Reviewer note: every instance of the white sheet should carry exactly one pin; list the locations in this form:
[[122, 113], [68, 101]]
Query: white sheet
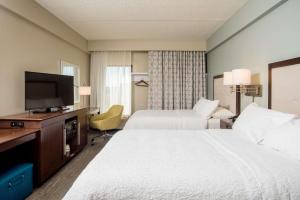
[[166, 119], [186, 165]]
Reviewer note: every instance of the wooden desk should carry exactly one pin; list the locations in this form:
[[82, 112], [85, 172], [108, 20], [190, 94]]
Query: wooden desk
[[49, 129], [10, 138], [18, 145]]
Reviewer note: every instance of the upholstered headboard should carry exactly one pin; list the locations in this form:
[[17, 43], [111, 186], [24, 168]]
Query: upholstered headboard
[[284, 83], [228, 99]]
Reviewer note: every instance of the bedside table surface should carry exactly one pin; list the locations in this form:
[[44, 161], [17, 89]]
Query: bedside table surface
[[226, 124]]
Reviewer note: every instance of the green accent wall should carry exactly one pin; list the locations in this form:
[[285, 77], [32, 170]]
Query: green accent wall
[[273, 36]]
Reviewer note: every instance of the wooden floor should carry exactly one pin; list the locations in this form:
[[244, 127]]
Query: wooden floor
[[57, 186]]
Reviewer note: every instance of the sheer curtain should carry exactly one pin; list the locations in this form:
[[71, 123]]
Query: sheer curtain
[[118, 87], [111, 80]]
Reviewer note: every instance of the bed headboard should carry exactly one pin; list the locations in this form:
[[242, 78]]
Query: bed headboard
[[228, 99], [284, 82]]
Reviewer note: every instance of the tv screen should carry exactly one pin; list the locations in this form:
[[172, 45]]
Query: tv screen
[[48, 90]]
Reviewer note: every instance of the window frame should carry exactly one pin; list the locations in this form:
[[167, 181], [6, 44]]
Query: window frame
[[77, 69]]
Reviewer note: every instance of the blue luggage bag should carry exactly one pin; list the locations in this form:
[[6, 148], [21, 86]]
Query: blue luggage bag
[[16, 183]]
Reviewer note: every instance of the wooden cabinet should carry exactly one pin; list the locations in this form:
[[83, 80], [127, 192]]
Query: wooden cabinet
[[226, 124], [83, 130], [50, 137], [51, 150]]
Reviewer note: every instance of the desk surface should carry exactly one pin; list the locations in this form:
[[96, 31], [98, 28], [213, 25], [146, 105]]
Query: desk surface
[[10, 138], [39, 116]]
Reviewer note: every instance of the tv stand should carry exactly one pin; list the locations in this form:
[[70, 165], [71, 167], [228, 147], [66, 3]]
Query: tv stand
[[51, 137], [49, 110], [64, 108]]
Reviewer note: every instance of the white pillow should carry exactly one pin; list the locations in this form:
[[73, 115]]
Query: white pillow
[[205, 107], [286, 139], [255, 121], [222, 113]]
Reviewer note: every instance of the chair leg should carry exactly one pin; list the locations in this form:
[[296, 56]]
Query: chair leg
[[93, 139], [106, 136]]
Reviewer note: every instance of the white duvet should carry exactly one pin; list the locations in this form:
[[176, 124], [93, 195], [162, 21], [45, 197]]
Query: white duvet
[[166, 119], [186, 165]]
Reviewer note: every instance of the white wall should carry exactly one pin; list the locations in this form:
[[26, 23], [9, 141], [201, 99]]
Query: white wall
[[272, 38], [146, 45], [25, 46], [139, 94], [33, 12]]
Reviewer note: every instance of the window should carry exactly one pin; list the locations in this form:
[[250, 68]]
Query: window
[[72, 70], [118, 87]]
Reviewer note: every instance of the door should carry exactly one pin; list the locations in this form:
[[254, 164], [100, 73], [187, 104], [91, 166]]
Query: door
[[83, 129], [51, 149]]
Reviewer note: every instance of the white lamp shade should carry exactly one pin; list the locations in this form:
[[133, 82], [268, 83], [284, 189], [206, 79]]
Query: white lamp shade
[[241, 77], [84, 90], [227, 78]]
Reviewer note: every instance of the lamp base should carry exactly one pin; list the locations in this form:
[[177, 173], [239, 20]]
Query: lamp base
[[248, 90], [254, 90]]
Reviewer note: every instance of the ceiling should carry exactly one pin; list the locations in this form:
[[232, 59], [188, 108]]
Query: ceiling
[[143, 19]]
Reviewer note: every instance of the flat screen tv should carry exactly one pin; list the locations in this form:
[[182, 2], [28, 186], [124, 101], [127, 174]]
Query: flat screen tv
[[45, 91]]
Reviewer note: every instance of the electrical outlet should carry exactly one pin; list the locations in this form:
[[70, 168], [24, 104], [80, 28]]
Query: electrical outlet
[[16, 124]]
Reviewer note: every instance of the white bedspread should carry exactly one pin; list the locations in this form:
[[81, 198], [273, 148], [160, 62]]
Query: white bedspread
[[210, 164], [166, 119]]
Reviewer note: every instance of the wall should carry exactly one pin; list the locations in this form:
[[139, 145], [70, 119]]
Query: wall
[[26, 46], [252, 11], [273, 37], [33, 12], [139, 94], [146, 45]]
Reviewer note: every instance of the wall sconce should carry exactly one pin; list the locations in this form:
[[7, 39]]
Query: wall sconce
[[239, 81]]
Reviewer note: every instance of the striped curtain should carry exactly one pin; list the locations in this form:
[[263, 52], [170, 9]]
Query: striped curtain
[[177, 79]]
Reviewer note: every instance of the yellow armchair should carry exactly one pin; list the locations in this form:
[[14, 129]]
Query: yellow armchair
[[109, 120]]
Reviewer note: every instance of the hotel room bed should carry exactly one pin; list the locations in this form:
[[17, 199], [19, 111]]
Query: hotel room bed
[[258, 159], [186, 119], [166, 119], [177, 165]]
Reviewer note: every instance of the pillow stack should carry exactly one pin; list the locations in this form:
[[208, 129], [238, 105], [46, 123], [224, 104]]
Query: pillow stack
[[205, 107], [223, 113], [255, 121]]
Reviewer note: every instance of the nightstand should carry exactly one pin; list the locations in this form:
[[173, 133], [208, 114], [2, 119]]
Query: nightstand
[[226, 123]]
